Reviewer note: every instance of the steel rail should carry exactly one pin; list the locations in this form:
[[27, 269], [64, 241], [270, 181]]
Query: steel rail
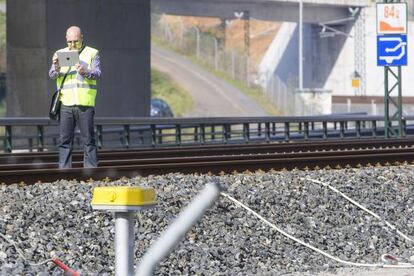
[[209, 158], [215, 165], [210, 150]]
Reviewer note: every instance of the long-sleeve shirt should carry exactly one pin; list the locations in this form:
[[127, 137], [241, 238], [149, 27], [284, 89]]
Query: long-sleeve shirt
[[93, 74]]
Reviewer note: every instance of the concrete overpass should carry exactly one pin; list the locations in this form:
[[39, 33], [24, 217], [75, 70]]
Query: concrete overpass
[[314, 11]]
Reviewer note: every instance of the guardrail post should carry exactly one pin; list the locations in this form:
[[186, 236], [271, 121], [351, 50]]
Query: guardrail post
[[127, 136], [99, 136], [202, 134], [246, 132], [267, 132], [178, 134], [40, 143], [227, 134], [196, 134], [160, 136], [287, 132], [306, 124], [341, 129], [404, 127], [358, 128], [259, 129], [30, 140], [8, 139], [325, 130], [153, 135]]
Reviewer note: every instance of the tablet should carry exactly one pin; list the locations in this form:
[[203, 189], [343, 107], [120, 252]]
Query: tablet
[[68, 58]]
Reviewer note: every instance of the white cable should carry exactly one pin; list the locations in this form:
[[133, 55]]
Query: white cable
[[403, 265], [21, 252], [360, 206]]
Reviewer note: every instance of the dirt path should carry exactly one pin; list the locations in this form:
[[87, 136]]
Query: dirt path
[[212, 96]]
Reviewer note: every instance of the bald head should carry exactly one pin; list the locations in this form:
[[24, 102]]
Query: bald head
[[74, 38]]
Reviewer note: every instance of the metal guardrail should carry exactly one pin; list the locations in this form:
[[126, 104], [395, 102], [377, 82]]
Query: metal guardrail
[[39, 134]]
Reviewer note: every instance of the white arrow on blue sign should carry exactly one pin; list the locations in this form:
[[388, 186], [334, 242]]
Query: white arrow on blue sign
[[392, 50]]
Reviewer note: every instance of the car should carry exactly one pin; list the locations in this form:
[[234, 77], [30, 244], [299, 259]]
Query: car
[[160, 108]]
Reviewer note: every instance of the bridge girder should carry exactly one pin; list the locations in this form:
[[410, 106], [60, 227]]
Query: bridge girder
[[314, 11]]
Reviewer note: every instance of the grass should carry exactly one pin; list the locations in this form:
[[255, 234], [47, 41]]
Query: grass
[[163, 87], [3, 108], [253, 93]]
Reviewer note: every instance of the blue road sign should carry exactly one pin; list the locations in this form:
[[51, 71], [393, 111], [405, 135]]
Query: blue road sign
[[392, 50]]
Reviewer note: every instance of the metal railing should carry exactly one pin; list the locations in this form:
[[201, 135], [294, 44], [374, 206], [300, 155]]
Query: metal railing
[[41, 134]]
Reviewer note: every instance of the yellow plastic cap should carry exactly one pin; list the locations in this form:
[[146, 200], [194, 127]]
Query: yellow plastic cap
[[124, 196]]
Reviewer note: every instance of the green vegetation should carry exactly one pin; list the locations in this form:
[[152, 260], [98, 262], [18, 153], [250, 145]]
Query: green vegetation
[[3, 108], [254, 93], [163, 87]]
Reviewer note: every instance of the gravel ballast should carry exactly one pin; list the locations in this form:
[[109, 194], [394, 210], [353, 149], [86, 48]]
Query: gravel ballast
[[56, 219]]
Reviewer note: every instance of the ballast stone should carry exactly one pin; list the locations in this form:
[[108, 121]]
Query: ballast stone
[[226, 240]]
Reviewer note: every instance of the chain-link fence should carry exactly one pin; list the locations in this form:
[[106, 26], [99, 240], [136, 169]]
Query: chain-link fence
[[205, 48], [294, 102], [209, 50]]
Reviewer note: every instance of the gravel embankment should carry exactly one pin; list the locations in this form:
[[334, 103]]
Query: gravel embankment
[[57, 218]]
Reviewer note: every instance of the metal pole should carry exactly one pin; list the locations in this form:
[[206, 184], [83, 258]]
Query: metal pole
[[215, 54], [386, 105], [400, 106], [177, 230], [198, 42], [300, 45], [124, 244], [233, 64]]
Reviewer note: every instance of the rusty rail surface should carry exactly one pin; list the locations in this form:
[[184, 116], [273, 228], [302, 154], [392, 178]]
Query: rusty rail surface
[[207, 150], [210, 159]]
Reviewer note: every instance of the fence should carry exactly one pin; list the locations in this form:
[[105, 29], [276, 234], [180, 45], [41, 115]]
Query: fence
[[41, 134], [209, 50], [204, 47]]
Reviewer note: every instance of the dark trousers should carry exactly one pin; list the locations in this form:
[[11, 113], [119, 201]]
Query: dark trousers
[[70, 117]]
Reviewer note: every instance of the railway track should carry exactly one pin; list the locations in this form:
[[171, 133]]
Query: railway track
[[30, 168]]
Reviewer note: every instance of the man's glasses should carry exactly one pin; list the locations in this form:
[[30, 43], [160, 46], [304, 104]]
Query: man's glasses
[[72, 42]]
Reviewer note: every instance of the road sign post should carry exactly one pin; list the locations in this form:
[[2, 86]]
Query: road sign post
[[392, 52]]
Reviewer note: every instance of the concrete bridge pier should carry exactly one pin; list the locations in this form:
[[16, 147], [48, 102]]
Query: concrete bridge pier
[[119, 29]]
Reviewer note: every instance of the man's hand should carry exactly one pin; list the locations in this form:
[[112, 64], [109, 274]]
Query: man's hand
[[55, 61], [80, 69]]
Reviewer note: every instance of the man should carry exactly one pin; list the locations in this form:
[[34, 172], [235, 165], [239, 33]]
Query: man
[[78, 99]]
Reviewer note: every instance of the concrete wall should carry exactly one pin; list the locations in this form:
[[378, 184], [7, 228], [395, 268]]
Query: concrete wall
[[120, 29], [320, 55]]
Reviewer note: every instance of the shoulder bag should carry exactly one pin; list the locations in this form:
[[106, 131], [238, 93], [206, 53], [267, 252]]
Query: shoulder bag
[[55, 104]]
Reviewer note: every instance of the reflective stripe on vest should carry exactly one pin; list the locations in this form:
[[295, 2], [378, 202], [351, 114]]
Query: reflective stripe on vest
[[79, 85], [78, 90]]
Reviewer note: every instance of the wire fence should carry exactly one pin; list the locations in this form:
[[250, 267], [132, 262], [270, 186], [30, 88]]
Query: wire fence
[[210, 51], [205, 48]]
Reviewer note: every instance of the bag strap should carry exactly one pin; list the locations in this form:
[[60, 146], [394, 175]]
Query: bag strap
[[64, 78], [66, 74]]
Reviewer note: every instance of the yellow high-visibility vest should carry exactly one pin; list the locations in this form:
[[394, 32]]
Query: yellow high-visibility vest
[[78, 90]]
